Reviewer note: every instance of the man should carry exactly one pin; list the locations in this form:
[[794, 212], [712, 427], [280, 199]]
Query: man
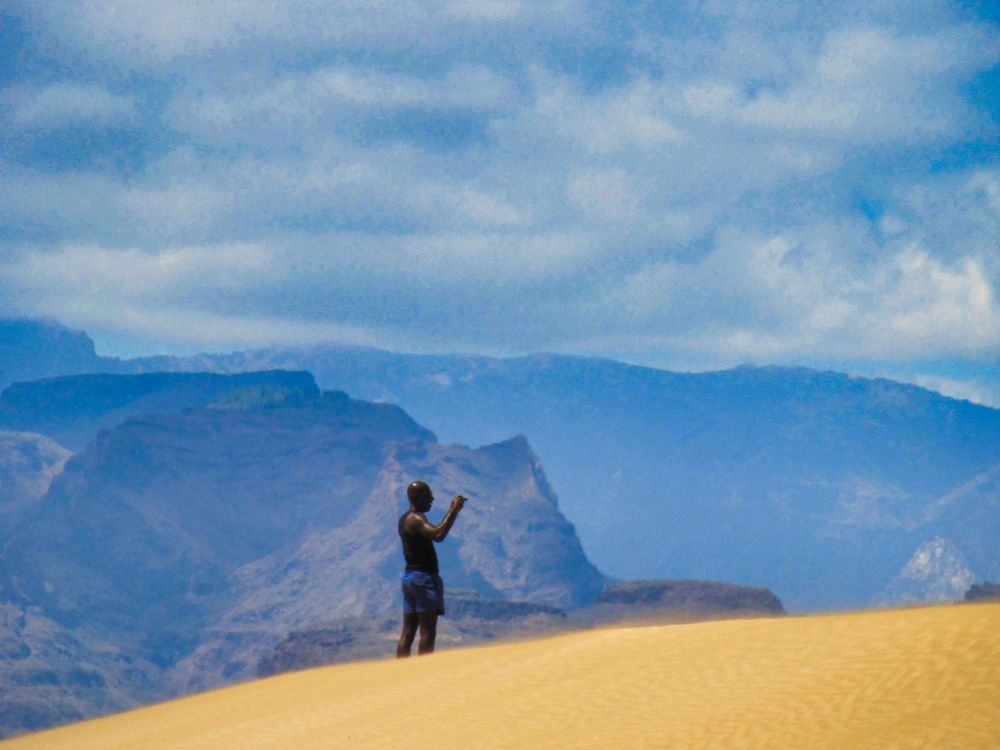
[[423, 590]]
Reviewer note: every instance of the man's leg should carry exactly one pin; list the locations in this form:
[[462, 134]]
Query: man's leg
[[428, 631], [406, 637]]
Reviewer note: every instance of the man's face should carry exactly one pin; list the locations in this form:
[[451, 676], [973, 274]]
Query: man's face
[[424, 502]]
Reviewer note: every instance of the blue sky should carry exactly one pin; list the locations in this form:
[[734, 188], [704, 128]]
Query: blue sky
[[689, 185]]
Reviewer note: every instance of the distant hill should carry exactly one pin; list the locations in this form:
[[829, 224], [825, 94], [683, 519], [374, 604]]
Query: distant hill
[[195, 541], [682, 601], [51, 674], [32, 349], [982, 592], [937, 572], [818, 485], [72, 409]]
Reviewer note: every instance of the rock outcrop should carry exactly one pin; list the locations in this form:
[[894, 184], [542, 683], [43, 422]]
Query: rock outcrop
[[937, 572], [32, 349], [28, 462], [983, 592], [679, 601]]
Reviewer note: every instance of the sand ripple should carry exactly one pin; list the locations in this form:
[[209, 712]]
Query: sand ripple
[[917, 678]]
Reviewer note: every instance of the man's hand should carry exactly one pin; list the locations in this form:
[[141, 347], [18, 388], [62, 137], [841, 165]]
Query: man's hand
[[458, 502]]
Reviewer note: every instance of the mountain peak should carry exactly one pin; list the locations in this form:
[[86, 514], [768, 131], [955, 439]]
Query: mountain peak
[[937, 572]]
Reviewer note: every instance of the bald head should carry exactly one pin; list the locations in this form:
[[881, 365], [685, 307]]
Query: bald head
[[419, 494]]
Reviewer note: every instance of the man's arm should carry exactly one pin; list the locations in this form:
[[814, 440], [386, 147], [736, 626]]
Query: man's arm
[[417, 523]]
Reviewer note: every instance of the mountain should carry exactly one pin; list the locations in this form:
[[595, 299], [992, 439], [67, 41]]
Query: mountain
[[32, 349], [937, 572], [72, 409], [512, 542], [817, 485], [28, 462], [193, 542], [50, 674]]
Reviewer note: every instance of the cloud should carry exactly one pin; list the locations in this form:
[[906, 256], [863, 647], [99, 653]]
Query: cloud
[[65, 104], [164, 296], [144, 34], [103, 273], [790, 296], [864, 83], [976, 391], [686, 182]]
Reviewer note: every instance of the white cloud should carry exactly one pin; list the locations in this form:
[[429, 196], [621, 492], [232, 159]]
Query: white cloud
[[185, 326], [133, 31], [103, 274], [743, 180], [929, 305], [74, 203], [974, 390], [65, 104], [300, 110], [484, 10], [150, 34], [791, 296], [864, 83], [492, 258]]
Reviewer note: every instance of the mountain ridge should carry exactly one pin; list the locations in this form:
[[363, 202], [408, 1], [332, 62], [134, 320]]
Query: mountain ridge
[[754, 474]]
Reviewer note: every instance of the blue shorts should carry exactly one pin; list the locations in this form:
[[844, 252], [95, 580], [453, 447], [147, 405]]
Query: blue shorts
[[422, 592]]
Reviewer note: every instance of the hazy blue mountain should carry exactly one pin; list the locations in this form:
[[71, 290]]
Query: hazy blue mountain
[[818, 485], [512, 543], [28, 462], [32, 349], [195, 541], [937, 572], [50, 674], [72, 409]]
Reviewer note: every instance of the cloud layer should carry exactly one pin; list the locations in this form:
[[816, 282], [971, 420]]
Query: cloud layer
[[696, 184]]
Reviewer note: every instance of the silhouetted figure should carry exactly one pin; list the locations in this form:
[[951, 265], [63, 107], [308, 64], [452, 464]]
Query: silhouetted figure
[[423, 589]]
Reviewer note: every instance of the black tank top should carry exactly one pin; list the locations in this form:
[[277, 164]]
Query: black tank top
[[417, 549]]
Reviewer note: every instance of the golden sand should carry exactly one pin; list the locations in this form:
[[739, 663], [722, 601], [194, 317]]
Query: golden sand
[[926, 677]]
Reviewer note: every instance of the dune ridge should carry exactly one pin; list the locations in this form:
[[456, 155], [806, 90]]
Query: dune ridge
[[923, 677]]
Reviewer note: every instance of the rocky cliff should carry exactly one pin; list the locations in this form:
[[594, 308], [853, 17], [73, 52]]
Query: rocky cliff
[[28, 462], [32, 349]]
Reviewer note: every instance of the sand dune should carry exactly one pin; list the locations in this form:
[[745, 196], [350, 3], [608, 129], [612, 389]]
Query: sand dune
[[926, 677]]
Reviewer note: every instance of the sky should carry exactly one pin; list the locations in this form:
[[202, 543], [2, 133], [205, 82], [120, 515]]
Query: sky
[[688, 185]]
